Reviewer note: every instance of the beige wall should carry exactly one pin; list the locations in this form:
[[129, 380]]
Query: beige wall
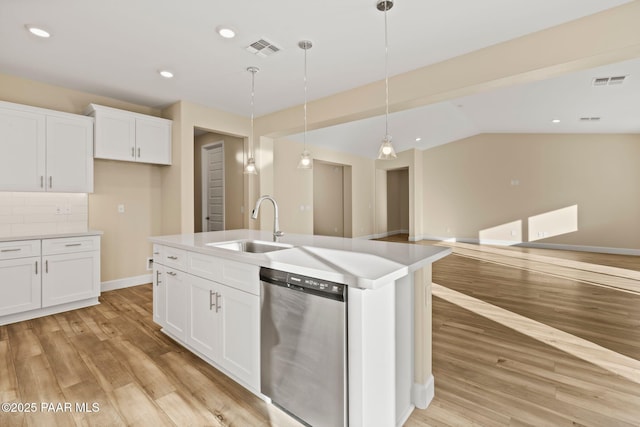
[[137, 186], [233, 179], [501, 186], [398, 200], [294, 188]]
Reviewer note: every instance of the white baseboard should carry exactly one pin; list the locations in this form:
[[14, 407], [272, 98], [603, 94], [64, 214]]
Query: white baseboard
[[405, 416], [540, 245], [46, 311], [127, 282], [423, 394]]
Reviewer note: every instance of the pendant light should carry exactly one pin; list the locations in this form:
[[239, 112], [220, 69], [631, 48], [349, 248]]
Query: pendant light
[[250, 166], [306, 161], [386, 150]]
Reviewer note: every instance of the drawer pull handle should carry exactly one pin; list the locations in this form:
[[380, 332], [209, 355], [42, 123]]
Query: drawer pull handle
[[172, 257], [133, 152], [211, 303], [36, 268], [138, 151], [171, 273], [73, 244], [41, 181], [11, 250], [156, 253], [50, 181], [158, 273], [46, 266], [218, 304]]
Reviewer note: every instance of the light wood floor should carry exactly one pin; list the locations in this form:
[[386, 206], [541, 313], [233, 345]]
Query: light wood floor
[[518, 340]]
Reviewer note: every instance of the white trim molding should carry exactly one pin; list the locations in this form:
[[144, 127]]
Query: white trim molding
[[127, 282], [423, 394]]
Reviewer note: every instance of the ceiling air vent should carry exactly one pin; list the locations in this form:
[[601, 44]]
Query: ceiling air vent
[[263, 48], [608, 81], [589, 119]]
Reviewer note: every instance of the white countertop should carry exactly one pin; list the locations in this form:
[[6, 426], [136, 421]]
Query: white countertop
[[361, 263], [51, 236]]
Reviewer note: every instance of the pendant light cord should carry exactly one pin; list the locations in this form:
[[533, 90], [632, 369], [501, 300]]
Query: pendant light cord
[[253, 78], [305, 99], [386, 74]]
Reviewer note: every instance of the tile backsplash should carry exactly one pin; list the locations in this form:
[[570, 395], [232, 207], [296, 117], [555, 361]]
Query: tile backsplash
[[29, 214]]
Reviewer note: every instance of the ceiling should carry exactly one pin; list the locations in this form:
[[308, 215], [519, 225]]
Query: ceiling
[[116, 48]]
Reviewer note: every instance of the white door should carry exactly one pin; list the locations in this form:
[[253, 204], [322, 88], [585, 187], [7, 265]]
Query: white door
[[70, 277], [19, 285], [22, 150], [240, 334], [204, 322], [215, 188], [69, 154]]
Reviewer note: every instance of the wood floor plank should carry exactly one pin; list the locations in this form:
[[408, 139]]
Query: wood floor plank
[[138, 409], [8, 380], [185, 411]]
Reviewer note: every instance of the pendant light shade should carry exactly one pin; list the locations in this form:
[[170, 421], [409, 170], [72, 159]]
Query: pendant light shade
[[306, 161], [386, 151], [250, 165]]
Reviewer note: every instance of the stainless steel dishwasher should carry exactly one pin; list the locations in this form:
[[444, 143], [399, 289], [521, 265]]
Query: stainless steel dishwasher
[[304, 347]]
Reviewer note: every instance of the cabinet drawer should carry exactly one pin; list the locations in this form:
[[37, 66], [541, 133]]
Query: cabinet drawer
[[172, 257], [19, 249], [245, 277], [68, 245], [205, 266]]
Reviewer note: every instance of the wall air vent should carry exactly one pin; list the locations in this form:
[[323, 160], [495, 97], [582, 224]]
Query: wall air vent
[[263, 48], [608, 81]]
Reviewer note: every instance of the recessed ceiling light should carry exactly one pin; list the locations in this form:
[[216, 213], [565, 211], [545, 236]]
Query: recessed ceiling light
[[166, 74], [555, 121], [36, 31], [418, 139], [226, 32]]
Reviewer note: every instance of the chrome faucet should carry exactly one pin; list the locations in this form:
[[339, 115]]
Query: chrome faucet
[[276, 226]]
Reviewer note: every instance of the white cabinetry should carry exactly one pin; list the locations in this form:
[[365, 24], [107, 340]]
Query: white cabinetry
[[71, 270], [176, 295], [19, 276], [212, 306], [45, 150], [128, 136], [41, 277]]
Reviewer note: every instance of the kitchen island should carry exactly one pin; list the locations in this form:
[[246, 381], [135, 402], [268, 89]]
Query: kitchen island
[[207, 297]]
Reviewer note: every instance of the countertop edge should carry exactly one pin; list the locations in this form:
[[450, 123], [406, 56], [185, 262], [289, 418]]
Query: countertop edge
[[51, 236], [264, 260]]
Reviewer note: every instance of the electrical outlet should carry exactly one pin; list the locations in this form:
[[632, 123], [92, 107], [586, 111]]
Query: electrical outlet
[[120, 208], [149, 264]]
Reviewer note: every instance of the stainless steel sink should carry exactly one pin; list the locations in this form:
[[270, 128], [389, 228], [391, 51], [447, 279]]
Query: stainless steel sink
[[251, 246]]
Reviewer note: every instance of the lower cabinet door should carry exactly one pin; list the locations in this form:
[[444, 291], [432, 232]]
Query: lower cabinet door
[[70, 277], [19, 285], [240, 335], [204, 319], [177, 291], [159, 295]]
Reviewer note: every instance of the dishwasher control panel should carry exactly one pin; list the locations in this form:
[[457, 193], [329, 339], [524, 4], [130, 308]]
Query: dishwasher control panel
[[302, 283]]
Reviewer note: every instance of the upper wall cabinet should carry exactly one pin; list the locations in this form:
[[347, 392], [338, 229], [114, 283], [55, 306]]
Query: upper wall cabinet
[[45, 150], [132, 137]]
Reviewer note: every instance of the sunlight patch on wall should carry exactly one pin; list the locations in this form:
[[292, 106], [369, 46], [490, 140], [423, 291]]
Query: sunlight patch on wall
[[509, 234], [554, 223]]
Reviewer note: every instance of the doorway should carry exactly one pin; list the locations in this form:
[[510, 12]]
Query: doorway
[[331, 199], [212, 176], [398, 201], [230, 181]]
